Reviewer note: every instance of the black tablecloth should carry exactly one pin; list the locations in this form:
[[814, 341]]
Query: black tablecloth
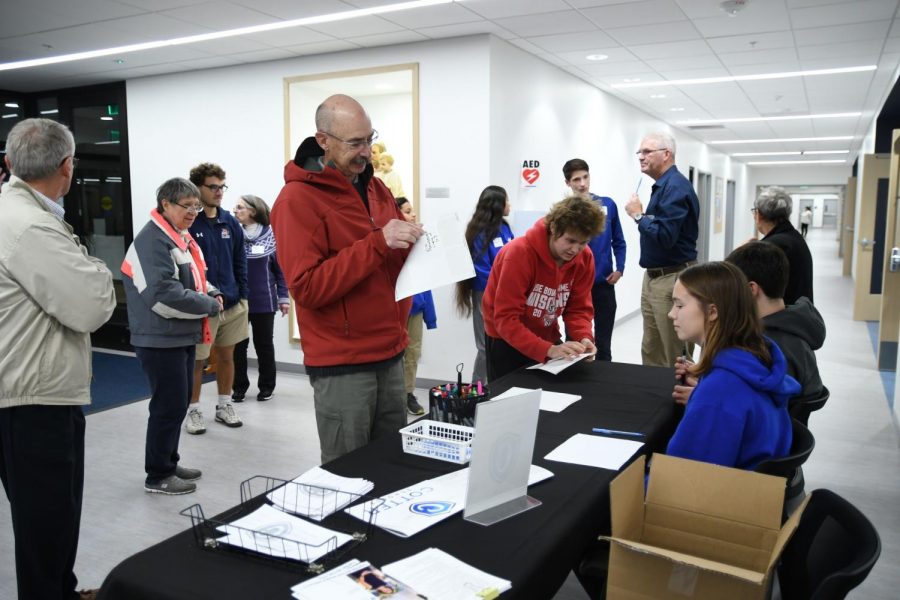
[[534, 550]]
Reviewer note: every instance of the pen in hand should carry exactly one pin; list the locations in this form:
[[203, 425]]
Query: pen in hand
[[617, 432]]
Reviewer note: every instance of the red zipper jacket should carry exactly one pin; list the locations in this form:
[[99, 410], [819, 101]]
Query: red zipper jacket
[[527, 292], [338, 266]]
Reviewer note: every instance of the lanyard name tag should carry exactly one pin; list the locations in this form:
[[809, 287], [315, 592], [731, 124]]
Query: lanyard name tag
[[257, 249]]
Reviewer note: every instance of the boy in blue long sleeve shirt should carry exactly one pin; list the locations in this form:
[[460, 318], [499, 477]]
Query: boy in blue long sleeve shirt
[[610, 242]]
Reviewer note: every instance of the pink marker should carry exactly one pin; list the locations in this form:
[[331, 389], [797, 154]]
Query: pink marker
[[479, 387]]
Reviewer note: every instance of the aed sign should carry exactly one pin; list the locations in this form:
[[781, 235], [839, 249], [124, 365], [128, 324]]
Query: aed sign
[[531, 172]]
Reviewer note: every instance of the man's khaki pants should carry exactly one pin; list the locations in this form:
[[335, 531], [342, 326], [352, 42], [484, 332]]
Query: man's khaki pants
[[660, 346]]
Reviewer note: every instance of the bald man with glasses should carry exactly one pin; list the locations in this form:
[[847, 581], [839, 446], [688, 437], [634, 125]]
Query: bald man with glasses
[[341, 243], [668, 229]]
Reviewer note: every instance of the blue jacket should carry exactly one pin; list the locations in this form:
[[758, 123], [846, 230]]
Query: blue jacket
[[424, 303], [222, 242], [670, 225], [484, 261], [608, 242], [264, 277], [738, 415]]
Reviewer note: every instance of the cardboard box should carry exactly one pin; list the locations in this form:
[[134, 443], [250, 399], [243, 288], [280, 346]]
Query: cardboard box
[[702, 531]]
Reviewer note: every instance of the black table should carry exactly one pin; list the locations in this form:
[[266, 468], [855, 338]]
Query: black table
[[534, 550]]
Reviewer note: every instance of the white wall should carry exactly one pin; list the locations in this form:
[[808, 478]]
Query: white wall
[[478, 122], [235, 117]]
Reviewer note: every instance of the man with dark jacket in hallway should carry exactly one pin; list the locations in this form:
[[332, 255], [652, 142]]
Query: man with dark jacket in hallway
[[341, 243], [772, 213], [669, 229]]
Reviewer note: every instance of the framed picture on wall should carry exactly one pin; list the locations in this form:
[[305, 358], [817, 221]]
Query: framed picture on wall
[[390, 95]]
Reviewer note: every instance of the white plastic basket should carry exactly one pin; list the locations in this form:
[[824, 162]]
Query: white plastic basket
[[443, 441]]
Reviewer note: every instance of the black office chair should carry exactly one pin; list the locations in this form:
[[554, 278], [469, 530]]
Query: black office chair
[[592, 569], [832, 551], [801, 408], [788, 467]]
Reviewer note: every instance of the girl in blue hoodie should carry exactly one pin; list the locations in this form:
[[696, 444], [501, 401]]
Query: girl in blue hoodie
[[737, 416]]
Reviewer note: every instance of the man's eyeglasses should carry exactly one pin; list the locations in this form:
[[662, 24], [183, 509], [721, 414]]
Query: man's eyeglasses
[[215, 188], [356, 144], [645, 151], [74, 161], [193, 208], [753, 210]]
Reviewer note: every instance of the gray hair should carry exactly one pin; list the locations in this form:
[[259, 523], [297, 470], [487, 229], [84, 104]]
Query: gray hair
[[37, 147], [259, 206], [774, 204], [174, 190], [665, 141]]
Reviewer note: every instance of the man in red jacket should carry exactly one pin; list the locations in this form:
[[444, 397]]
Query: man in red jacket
[[341, 243], [538, 278]]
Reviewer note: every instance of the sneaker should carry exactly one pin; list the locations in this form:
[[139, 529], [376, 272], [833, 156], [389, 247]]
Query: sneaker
[[238, 397], [171, 486], [413, 406], [186, 474], [262, 396], [195, 422], [225, 414]]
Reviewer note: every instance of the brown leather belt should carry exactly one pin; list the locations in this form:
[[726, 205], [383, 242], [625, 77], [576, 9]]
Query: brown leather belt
[[661, 271]]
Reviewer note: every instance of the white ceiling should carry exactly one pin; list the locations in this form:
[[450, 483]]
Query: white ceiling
[[650, 40]]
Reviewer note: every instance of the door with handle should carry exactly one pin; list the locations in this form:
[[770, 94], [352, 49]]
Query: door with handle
[[870, 251]]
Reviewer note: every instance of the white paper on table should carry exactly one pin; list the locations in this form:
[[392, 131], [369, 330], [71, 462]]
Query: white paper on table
[[550, 401], [440, 576], [558, 365], [595, 451], [440, 257], [267, 530], [318, 493], [415, 508]]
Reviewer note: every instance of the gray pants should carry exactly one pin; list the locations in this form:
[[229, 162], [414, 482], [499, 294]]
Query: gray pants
[[353, 409], [479, 373]]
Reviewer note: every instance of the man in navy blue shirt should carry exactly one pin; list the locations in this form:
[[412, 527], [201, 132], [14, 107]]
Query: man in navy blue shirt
[[221, 238], [610, 241], [669, 230]]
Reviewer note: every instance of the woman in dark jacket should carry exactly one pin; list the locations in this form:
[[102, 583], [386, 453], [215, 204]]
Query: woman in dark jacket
[[772, 211], [268, 295]]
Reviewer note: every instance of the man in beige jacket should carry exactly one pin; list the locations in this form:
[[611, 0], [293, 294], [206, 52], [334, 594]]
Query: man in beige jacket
[[52, 295]]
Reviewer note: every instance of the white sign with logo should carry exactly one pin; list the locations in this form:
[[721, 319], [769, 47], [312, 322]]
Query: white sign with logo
[[415, 508]]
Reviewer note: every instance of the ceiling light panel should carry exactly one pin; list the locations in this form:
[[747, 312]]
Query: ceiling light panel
[[775, 118], [796, 162], [782, 140], [758, 76]]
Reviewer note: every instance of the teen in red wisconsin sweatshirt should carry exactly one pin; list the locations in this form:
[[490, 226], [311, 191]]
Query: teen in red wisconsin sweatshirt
[[527, 291]]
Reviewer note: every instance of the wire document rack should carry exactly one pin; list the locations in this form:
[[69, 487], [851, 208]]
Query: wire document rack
[[289, 539]]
